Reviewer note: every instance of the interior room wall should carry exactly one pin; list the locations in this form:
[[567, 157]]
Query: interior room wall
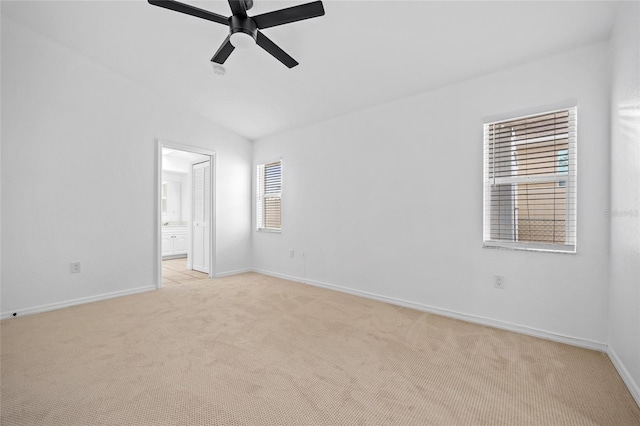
[[624, 217], [183, 179], [388, 202], [79, 143]]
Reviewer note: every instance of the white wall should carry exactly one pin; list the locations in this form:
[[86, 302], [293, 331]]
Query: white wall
[[388, 201], [624, 256], [183, 194], [78, 143]]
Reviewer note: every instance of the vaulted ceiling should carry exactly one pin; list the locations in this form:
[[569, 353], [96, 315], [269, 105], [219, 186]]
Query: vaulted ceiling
[[360, 54]]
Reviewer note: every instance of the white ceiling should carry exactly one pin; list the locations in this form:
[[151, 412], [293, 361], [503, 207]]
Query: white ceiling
[[360, 54]]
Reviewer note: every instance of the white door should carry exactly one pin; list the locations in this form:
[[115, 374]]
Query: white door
[[201, 173]]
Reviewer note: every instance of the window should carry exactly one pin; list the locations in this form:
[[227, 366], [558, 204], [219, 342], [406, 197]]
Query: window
[[164, 198], [530, 182], [269, 196]]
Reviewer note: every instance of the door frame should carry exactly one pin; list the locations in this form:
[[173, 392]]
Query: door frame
[[212, 207]]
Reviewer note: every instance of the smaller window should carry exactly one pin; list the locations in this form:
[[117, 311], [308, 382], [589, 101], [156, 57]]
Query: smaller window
[[164, 198], [269, 197]]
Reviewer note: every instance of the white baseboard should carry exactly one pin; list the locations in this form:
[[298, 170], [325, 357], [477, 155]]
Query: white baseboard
[[80, 301], [174, 256], [517, 328], [633, 387], [73, 302], [236, 272]]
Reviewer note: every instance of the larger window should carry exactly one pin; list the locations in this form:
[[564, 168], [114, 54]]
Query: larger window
[[269, 197], [530, 182]]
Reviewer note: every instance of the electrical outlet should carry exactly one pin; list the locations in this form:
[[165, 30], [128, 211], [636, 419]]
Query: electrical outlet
[[303, 253], [498, 282], [292, 254], [75, 267]]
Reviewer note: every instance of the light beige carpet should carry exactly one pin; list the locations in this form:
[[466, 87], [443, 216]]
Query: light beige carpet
[[256, 350]]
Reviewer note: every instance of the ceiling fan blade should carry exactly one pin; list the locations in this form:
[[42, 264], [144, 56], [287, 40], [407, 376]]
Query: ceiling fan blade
[[238, 8], [224, 51], [264, 42], [290, 14], [190, 10]]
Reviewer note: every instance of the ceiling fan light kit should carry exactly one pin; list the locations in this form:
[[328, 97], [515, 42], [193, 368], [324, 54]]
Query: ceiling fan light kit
[[244, 30]]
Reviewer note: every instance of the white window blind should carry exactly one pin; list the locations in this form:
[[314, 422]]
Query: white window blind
[[269, 196], [530, 182]]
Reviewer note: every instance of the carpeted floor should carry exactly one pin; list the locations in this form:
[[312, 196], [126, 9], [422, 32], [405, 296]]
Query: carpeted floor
[[257, 350]]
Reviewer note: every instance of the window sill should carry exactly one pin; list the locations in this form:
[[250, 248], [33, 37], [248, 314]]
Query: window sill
[[548, 248], [270, 230]]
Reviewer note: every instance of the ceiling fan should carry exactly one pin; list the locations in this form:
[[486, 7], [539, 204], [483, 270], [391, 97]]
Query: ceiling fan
[[244, 30]]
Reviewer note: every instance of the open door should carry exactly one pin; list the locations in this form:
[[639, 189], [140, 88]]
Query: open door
[[201, 204]]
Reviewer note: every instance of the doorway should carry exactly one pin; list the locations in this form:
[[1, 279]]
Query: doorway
[[185, 209]]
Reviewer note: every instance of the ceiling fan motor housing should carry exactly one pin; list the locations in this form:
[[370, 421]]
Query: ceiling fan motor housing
[[238, 24]]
